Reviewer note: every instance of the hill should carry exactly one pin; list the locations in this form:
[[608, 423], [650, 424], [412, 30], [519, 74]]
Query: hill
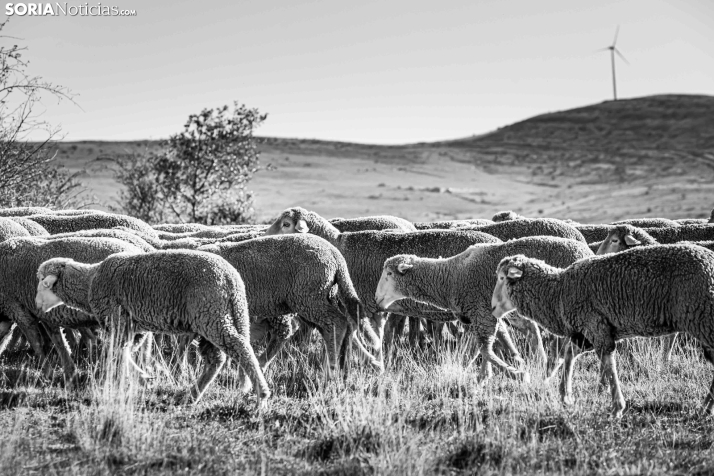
[[650, 156], [665, 122]]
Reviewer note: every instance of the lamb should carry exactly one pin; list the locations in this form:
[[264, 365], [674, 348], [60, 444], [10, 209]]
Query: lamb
[[19, 260], [380, 222], [644, 291], [179, 292], [34, 229], [11, 229], [464, 283], [55, 224], [309, 284]]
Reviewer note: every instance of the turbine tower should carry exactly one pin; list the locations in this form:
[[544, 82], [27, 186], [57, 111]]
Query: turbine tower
[[613, 49]]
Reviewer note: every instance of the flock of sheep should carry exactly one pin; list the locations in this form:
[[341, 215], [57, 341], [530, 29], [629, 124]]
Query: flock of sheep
[[355, 281]]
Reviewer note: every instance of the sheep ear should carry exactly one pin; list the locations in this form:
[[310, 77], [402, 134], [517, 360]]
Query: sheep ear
[[514, 272], [631, 240], [49, 281], [302, 227], [404, 267]]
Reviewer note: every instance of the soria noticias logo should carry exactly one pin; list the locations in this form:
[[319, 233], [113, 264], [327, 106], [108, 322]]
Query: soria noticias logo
[[65, 9]]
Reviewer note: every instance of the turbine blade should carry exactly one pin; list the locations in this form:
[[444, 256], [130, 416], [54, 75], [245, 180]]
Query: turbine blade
[[598, 51], [617, 31], [622, 57]]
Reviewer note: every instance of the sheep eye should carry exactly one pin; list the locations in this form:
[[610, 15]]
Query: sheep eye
[[286, 224], [389, 273]]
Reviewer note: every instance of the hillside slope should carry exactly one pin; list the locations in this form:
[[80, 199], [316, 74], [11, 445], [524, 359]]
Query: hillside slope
[[650, 156], [664, 122]]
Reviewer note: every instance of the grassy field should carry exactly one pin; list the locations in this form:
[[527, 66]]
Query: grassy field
[[425, 415]]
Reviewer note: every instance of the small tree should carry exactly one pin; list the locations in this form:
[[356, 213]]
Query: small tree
[[199, 175], [29, 175]]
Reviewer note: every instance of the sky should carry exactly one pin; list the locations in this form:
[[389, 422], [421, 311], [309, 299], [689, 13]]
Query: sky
[[382, 72]]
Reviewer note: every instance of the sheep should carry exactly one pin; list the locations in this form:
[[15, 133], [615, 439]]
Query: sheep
[[55, 224], [303, 284], [381, 222], [644, 291], [34, 229], [510, 229], [692, 221], [24, 211], [506, 216], [594, 232], [71, 212], [180, 227], [647, 222], [623, 237], [451, 224], [366, 251], [11, 229], [19, 260], [111, 233], [682, 233], [464, 283], [178, 292]]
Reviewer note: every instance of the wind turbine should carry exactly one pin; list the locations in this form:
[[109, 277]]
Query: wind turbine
[[613, 49]]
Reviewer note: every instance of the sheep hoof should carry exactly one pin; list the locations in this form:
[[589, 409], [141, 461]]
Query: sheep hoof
[[568, 400], [524, 377]]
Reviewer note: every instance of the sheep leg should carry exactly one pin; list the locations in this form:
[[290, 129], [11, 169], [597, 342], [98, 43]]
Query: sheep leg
[[668, 346], [373, 361], [7, 337], [709, 400], [215, 359], [416, 332], [566, 383], [504, 337], [281, 331], [558, 348], [609, 368], [236, 345], [29, 326], [485, 328], [65, 355], [333, 333], [394, 328]]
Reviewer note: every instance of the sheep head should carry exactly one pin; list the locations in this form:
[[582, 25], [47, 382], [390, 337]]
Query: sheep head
[[48, 274], [621, 238], [291, 220], [509, 272], [392, 286]]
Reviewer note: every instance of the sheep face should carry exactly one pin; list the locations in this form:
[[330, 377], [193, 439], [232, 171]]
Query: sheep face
[[507, 274], [290, 221], [617, 240], [48, 274], [45, 298], [389, 283]]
